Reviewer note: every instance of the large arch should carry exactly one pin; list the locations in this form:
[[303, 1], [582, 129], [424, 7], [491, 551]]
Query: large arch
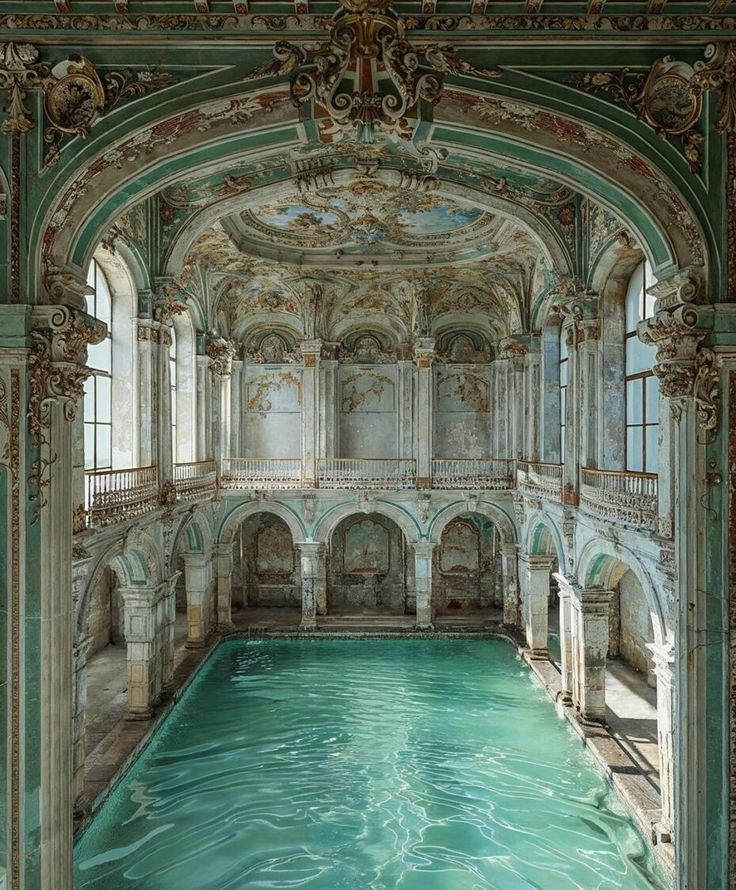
[[232, 521], [543, 538], [600, 563], [501, 519], [329, 521]]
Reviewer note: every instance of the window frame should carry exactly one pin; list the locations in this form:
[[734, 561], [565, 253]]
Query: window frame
[[91, 421], [644, 310]]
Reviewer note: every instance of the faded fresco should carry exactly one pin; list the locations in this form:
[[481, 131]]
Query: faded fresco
[[467, 570], [266, 568], [368, 418], [366, 566], [272, 412], [462, 420]]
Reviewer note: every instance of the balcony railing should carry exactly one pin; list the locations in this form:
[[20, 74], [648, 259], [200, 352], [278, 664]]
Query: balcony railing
[[471, 473], [538, 478], [116, 495], [367, 472], [195, 478], [621, 496], [261, 472]]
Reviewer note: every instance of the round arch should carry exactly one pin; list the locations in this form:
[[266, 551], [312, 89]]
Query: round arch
[[543, 538], [500, 519], [195, 532], [329, 521], [233, 520], [493, 122], [598, 565]]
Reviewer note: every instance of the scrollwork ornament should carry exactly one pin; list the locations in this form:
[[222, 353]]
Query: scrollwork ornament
[[707, 395], [20, 71], [717, 71]]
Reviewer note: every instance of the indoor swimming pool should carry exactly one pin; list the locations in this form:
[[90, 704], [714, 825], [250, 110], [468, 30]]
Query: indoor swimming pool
[[363, 765]]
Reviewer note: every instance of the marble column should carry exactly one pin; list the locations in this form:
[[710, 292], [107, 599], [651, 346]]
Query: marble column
[[329, 445], [423, 551], [197, 582], [532, 399], [592, 607], [143, 645], [571, 454], [589, 400], [224, 562], [311, 555], [167, 629], [79, 708], [510, 584], [664, 659], [564, 592], [549, 414], [235, 448], [204, 396], [405, 371], [424, 355], [162, 416], [147, 382], [535, 577], [311, 351]]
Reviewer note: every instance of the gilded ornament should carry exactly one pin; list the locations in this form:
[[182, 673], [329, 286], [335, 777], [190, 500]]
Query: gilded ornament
[[20, 71], [75, 99]]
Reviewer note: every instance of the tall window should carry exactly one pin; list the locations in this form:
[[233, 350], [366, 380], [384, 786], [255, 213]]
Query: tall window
[[172, 384], [564, 366], [97, 389], [642, 387]]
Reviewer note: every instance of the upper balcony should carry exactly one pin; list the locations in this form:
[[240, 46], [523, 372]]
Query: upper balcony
[[540, 479], [620, 496]]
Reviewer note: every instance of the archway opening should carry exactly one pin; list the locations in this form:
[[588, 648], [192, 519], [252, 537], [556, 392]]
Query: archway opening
[[266, 568], [367, 567], [467, 570]]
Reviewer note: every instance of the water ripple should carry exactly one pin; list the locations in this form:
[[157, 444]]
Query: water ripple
[[363, 765]]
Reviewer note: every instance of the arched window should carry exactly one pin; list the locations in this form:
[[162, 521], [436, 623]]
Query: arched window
[[173, 385], [98, 387], [642, 387], [564, 366]]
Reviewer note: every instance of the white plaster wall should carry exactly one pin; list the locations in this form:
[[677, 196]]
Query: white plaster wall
[[636, 625]]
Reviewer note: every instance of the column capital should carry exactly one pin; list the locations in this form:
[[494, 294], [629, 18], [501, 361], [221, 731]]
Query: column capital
[[565, 586], [423, 549], [311, 351], [221, 353], [509, 548], [537, 561], [196, 560], [593, 600], [310, 548], [424, 351]]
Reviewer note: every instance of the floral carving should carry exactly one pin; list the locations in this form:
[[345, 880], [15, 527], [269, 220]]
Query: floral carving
[[20, 71], [707, 395]]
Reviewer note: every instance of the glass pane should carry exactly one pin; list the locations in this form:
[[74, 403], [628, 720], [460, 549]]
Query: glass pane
[[634, 401], [563, 404], [652, 436], [89, 446], [103, 302], [563, 346], [639, 356], [99, 355], [91, 278], [633, 298], [563, 373], [89, 398], [634, 448], [103, 400], [104, 452], [652, 399]]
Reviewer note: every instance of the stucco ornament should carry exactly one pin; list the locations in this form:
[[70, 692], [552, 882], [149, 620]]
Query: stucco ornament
[[343, 76], [20, 71], [718, 72], [221, 353]]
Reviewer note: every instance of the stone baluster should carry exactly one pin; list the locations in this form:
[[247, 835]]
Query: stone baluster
[[197, 581], [313, 580], [423, 551], [535, 577]]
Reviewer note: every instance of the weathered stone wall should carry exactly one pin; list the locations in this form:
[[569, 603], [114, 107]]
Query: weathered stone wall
[[635, 625], [266, 564], [272, 405], [366, 566], [367, 412], [462, 411], [466, 565], [105, 620]]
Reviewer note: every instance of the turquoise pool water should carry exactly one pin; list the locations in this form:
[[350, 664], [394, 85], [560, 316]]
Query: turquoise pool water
[[363, 765]]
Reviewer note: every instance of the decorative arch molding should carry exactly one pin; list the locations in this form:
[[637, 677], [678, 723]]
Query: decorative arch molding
[[613, 266], [500, 519], [492, 120], [543, 538], [195, 534], [136, 561], [233, 520], [329, 521], [598, 566]]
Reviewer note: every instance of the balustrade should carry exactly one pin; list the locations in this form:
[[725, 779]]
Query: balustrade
[[367, 472], [261, 472], [115, 495], [539, 478], [620, 495], [471, 473], [195, 478]]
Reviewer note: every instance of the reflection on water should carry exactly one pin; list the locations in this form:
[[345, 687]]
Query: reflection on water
[[363, 765]]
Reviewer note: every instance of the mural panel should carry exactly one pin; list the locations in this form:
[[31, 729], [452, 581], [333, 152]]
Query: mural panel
[[366, 548]]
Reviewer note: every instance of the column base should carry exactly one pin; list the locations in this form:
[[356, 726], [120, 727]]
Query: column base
[[144, 714], [424, 626], [194, 644], [308, 624], [537, 654], [228, 628]]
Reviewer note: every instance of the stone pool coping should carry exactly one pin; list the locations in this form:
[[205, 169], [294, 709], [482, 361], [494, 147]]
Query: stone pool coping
[[640, 798]]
